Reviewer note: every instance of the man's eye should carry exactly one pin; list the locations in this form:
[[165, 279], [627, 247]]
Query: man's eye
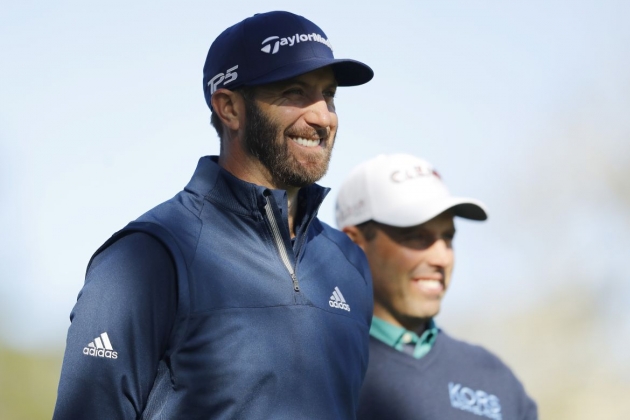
[[330, 93], [418, 241], [294, 91]]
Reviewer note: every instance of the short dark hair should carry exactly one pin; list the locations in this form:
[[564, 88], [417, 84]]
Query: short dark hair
[[368, 229], [248, 93]]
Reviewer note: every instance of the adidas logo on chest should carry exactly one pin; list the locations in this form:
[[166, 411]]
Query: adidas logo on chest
[[337, 300]]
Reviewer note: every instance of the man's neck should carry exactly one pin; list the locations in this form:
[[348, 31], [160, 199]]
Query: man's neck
[[251, 170], [417, 325], [292, 205]]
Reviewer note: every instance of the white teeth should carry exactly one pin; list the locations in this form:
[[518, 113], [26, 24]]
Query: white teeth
[[431, 284], [306, 142]]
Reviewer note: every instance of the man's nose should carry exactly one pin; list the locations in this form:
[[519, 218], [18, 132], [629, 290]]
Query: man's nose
[[320, 113], [440, 253]]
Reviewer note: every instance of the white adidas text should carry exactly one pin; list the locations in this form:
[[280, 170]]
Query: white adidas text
[[100, 347], [100, 353]]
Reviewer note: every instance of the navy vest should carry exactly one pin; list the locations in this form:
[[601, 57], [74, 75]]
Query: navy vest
[[265, 329]]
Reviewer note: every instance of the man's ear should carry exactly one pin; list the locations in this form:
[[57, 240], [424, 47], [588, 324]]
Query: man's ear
[[229, 107], [355, 235]]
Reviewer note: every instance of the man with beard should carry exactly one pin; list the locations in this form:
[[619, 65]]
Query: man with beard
[[399, 211], [232, 300]]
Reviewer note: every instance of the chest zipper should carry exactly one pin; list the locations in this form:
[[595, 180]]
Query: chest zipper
[[277, 237]]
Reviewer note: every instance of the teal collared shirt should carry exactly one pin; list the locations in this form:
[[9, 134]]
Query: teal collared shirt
[[398, 337]]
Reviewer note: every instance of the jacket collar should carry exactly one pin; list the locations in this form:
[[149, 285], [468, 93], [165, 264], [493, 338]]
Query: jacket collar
[[211, 182]]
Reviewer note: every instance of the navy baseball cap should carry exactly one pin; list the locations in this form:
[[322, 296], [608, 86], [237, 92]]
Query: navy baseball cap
[[274, 46]]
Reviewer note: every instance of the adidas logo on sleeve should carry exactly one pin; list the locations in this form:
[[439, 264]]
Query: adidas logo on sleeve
[[100, 347], [337, 300]]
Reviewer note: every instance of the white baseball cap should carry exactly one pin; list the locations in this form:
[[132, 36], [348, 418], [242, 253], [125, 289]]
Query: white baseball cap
[[399, 190]]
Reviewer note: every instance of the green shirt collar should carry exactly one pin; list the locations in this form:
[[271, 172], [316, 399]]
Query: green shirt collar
[[397, 337]]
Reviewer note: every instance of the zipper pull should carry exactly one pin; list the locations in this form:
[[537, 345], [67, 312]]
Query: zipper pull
[[296, 285]]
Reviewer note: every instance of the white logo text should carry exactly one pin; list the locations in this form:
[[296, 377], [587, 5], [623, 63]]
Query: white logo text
[[100, 347], [271, 47], [229, 76], [476, 402]]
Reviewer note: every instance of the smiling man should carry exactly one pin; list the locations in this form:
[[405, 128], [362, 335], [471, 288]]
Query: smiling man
[[232, 300], [396, 208]]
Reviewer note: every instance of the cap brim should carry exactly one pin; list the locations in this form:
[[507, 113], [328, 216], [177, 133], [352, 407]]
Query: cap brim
[[347, 72], [424, 211], [351, 72], [470, 209]]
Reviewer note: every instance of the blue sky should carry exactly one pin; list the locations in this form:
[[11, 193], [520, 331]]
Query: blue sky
[[520, 104]]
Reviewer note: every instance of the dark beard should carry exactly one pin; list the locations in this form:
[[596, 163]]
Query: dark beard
[[261, 142]]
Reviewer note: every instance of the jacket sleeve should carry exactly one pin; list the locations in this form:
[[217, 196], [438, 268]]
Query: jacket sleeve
[[120, 328]]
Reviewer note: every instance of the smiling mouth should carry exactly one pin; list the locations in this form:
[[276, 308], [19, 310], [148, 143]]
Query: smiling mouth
[[429, 287], [306, 142]]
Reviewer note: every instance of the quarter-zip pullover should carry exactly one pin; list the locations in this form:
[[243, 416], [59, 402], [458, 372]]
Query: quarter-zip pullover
[[214, 314]]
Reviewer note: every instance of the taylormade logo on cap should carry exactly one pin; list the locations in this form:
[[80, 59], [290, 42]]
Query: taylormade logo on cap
[[271, 47]]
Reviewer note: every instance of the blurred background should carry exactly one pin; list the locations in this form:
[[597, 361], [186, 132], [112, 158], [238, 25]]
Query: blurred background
[[522, 104]]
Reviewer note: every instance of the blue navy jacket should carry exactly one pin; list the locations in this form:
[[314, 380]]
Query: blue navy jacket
[[204, 308]]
